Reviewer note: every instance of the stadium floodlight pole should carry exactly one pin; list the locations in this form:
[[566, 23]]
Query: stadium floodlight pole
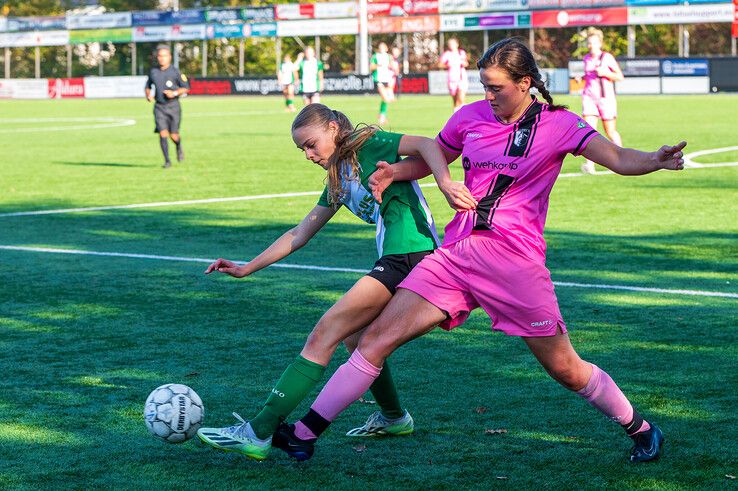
[[7, 62], [363, 38]]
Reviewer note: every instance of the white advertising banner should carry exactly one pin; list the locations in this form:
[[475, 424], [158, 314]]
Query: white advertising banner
[[100, 21], [438, 82], [681, 14], [22, 88], [114, 87], [685, 85], [34, 38], [453, 6], [317, 27], [3, 24], [327, 10], [639, 85], [169, 33]]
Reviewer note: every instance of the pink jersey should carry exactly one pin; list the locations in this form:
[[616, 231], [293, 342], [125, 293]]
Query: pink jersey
[[454, 63], [594, 85], [510, 170]]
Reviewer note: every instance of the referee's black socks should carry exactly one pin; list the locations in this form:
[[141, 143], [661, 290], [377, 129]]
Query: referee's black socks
[[163, 141]]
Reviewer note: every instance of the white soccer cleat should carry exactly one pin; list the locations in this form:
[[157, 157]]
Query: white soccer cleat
[[378, 425], [588, 168]]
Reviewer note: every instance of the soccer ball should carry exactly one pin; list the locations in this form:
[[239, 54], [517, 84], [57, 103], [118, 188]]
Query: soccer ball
[[173, 413]]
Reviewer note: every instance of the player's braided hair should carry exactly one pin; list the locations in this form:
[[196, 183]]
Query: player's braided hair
[[348, 142], [517, 60]]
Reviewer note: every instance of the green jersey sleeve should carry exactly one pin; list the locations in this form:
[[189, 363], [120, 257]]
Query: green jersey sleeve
[[323, 200], [383, 145]]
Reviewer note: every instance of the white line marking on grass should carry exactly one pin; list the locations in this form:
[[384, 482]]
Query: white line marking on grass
[[269, 196], [689, 158], [91, 123], [310, 267]]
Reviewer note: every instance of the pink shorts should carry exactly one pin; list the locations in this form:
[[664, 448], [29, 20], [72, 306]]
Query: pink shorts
[[604, 108], [453, 87], [481, 271]]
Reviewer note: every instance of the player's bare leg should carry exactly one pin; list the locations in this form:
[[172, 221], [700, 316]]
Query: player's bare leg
[[612, 132]]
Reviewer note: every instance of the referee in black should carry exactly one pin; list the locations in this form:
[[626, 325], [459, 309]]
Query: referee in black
[[169, 84]]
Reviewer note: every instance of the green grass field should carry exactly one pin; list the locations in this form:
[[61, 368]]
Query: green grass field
[[84, 338]]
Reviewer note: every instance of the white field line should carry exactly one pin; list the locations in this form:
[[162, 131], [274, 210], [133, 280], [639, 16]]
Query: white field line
[[309, 267], [252, 197], [689, 158], [91, 123]]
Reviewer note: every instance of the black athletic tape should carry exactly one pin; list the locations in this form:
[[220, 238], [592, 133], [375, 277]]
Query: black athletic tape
[[315, 422], [635, 424]]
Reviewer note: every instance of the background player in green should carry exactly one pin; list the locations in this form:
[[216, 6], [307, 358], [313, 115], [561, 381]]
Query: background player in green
[[383, 75], [286, 78], [309, 72], [405, 234], [169, 84]]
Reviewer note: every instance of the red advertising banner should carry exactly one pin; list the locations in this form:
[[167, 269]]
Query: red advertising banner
[[617, 16], [62, 88], [735, 18], [210, 87], [420, 23], [384, 8]]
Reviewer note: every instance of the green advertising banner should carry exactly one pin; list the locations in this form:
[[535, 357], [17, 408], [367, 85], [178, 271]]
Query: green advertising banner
[[119, 35]]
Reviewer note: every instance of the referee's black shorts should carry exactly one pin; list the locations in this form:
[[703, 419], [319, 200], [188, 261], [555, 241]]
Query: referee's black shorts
[[392, 269], [167, 117]]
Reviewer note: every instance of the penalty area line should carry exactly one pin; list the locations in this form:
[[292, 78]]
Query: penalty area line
[[309, 267]]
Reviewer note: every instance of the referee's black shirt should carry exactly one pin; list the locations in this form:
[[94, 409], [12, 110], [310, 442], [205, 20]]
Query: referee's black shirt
[[169, 79]]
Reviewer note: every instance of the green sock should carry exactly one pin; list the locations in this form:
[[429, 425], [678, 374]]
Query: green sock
[[384, 392], [289, 102], [293, 386], [383, 108]]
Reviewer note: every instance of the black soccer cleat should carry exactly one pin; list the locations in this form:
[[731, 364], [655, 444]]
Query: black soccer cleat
[[180, 154], [284, 439], [167, 164], [647, 445]]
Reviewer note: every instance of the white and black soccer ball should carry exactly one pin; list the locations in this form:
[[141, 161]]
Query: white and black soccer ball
[[173, 413]]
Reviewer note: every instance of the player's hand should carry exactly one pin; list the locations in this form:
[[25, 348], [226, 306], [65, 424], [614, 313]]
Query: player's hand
[[226, 267], [458, 196], [670, 158], [149, 98], [381, 179], [170, 94]]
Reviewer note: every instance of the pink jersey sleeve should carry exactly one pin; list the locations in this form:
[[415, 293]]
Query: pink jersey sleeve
[[575, 133], [444, 58], [451, 137], [610, 62]]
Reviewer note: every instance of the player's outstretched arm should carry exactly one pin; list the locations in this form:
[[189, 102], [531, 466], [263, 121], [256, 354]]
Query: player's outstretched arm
[[456, 193], [632, 162], [288, 243]]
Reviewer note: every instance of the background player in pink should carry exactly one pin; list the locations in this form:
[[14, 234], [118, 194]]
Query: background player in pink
[[493, 255], [454, 60], [601, 71]]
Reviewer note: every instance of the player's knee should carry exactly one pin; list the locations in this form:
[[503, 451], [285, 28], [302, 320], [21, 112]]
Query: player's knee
[[164, 134], [569, 372], [323, 336]]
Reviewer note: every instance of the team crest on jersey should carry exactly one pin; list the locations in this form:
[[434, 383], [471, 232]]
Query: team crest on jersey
[[581, 124], [169, 83], [521, 136]]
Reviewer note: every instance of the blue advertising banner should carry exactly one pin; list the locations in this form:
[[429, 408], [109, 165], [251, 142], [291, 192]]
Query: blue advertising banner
[[36, 23], [685, 67], [216, 31], [257, 14], [222, 15], [152, 18], [188, 16], [264, 29]]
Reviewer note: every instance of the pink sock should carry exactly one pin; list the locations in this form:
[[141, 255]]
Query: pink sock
[[348, 384], [604, 394]]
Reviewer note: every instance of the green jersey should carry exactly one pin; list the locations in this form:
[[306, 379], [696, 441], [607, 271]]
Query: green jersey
[[309, 80], [383, 71], [286, 73], [404, 221]]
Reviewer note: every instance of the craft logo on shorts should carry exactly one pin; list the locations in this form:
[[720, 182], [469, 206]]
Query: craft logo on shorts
[[378, 268], [541, 323], [466, 163], [521, 136]]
